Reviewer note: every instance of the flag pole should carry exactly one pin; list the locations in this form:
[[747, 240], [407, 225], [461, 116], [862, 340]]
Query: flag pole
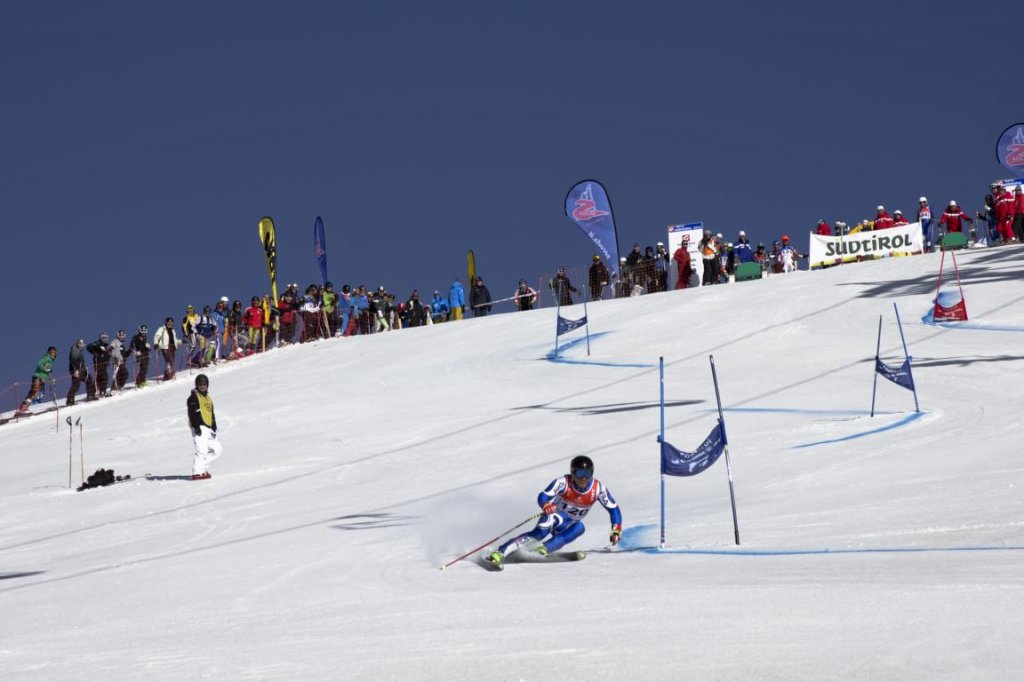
[[661, 439], [725, 443], [874, 384], [906, 354]]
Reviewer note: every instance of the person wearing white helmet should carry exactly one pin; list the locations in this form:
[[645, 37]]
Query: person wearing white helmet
[[898, 219], [924, 216], [883, 221], [953, 217]]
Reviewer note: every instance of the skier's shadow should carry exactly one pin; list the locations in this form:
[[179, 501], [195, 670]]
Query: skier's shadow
[[371, 521], [23, 574]]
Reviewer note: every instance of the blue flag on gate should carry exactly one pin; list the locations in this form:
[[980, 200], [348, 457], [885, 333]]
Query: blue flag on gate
[[898, 375], [320, 248], [588, 206], [675, 462], [565, 326]]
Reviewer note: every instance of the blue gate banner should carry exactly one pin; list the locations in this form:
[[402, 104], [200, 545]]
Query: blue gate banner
[[588, 206], [675, 462], [565, 326], [898, 375]]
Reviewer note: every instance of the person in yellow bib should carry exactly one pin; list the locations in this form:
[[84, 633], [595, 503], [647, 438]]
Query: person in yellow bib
[[204, 428]]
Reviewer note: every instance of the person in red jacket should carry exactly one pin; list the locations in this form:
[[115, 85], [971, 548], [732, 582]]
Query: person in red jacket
[[953, 217], [898, 219], [253, 320], [1004, 207], [823, 229], [683, 266], [883, 221], [1018, 213]]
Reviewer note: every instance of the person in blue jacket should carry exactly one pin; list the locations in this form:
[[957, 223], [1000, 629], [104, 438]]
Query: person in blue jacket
[[456, 300], [438, 308], [565, 503]]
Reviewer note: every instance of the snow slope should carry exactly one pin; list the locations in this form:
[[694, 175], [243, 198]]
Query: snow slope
[[872, 548]]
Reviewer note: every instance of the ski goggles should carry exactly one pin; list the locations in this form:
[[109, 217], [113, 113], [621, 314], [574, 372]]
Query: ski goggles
[[582, 473]]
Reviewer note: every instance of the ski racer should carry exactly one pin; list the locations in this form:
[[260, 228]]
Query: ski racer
[[564, 503]]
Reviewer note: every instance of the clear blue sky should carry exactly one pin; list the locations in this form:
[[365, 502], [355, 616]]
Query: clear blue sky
[[143, 141]]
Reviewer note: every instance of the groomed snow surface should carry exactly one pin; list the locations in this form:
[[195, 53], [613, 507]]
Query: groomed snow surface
[[885, 548]]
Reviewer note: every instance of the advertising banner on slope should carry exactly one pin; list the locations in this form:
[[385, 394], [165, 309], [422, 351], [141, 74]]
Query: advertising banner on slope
[[895, 241], [588, 206], [269, 240], [689, 234], [1010, 148]]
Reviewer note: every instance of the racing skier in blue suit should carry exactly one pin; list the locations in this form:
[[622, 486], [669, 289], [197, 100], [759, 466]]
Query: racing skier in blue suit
[[565, 502]]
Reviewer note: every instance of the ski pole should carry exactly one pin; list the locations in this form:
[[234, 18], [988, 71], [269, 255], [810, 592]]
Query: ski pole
[[494, 539], [81, 446], [71, 434]]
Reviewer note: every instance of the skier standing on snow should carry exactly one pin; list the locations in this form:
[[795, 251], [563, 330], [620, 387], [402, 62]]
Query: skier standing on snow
[[44, 369], [204, 428], [101, 352], [565, 502], [119, 360], [79, 370], [166, 341]]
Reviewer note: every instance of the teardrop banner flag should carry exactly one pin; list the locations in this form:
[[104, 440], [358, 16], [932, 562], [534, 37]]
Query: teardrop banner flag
[[1010, 148], [588, 206], [320, 248], [267, 238]]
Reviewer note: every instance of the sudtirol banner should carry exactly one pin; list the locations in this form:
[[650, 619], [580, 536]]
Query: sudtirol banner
[[895, 241]]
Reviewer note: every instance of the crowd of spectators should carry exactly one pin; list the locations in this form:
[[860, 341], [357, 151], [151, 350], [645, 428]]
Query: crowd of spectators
[[228, 331]]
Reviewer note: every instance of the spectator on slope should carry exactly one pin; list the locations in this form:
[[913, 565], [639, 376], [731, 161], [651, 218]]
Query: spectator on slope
[[438, 308], [42, 374], [647, 270], [841, 228], [1018, 213], [329, 306], [119, 359], [708, 254], [456, 300], [788, 255], [883, 221], [661, 263], [345, 310], [1004, 213], [416, 314], [253, 321], [312, 324], [380, 308], [898, 219], [684, 266], [761, 257], [79, 370], [100, 350], [236, 329], [206, 333], [479, 298], [166, 341], [598, 278], [823, 229], [953, 217], [203, 424], [220, 318], [924, 216], [524, 298], [725, 262], [189, 336], [988, 212], [564, 504], [362, 310], [743, 252], [288, 308], [775, 257], [561, 286], [271, 321], [139, 347], [633, 259]]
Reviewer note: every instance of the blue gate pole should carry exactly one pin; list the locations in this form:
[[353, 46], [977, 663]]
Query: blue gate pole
[[661, 439], [874, 384], [906, 355], [725, 444]]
